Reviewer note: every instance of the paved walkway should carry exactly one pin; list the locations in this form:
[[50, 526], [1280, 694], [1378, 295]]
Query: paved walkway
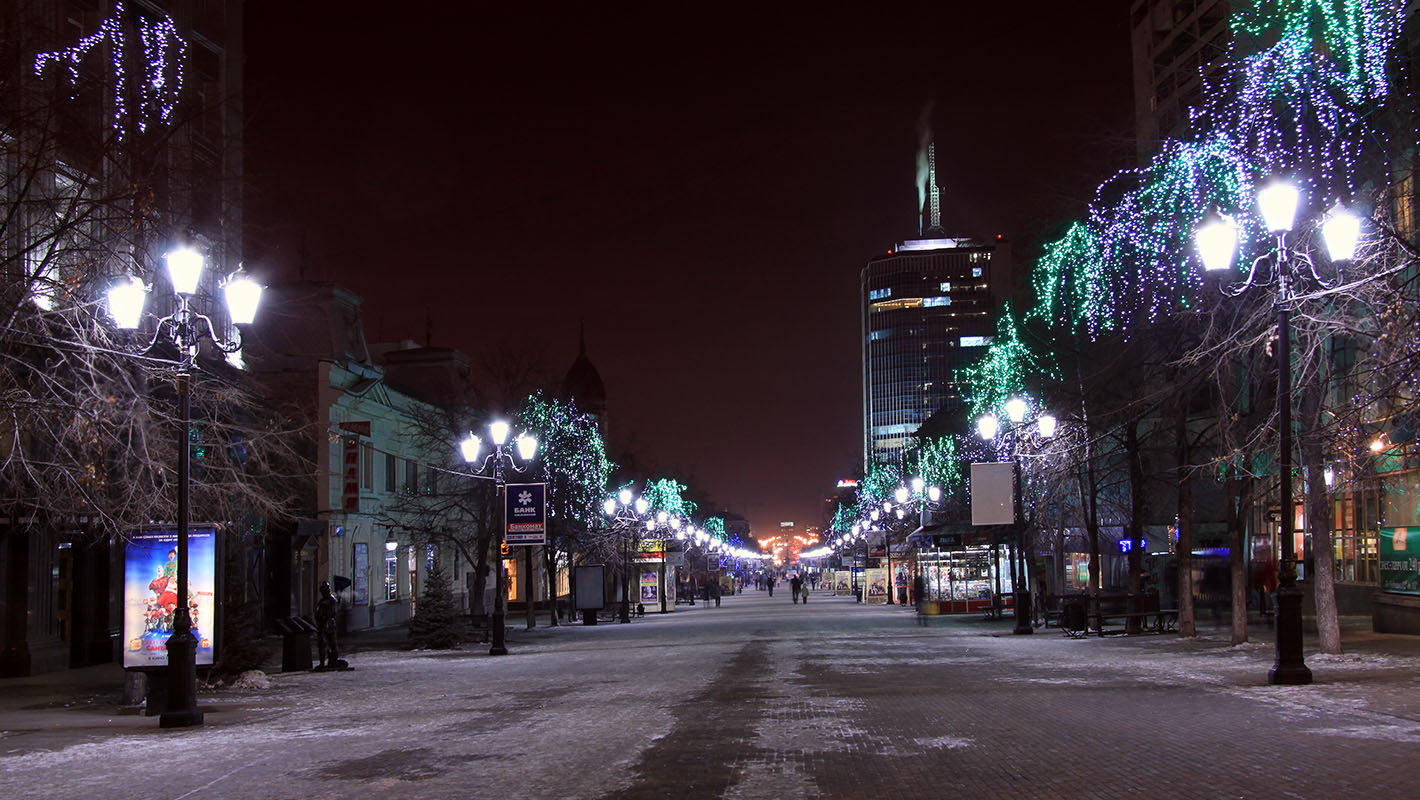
[[758, 698]]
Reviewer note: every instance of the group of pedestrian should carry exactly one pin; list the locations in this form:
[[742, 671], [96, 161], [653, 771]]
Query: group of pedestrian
[[800, 589]]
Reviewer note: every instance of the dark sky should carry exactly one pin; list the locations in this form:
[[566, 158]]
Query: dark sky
[[700, 185]]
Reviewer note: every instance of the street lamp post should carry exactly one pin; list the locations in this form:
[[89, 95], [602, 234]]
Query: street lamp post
[[1217, 243], [987, 426], [185, 329], [626, 512], [501, 459]]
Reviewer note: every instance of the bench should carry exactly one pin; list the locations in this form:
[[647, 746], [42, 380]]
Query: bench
[[1164, 620]]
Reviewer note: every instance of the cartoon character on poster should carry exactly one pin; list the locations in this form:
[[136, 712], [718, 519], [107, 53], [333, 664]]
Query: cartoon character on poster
[[150, 594]]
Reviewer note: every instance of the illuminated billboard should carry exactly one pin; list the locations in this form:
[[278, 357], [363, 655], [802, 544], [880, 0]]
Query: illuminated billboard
[[150, 594]]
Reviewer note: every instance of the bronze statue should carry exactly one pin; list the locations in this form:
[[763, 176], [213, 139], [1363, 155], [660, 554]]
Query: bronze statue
[[325, 630]]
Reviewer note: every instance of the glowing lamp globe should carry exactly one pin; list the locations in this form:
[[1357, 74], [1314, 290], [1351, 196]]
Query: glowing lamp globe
[[499, 431], [184, 269], [243, 295], [125, 302], [934, 494], [987, 426], [527, 447], [1016, 409], [609, 506], [1046, 425], [1217, 240], [470, 448], [901, 494], [1342, 232], [1278, 203], [625, 495]]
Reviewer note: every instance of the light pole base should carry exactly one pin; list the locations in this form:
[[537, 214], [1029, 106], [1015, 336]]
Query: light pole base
[[1023, 625], [1290, 669], [181, 710], [497, 650]]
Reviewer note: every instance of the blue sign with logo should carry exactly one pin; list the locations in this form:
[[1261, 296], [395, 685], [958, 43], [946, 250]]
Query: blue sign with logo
[[525, 513]]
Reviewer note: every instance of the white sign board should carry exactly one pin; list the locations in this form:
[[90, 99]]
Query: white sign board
[[992, 494]]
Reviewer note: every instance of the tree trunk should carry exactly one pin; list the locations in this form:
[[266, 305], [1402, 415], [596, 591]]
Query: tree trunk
[[1186, 623], [1137, 512], [1237, 556], [1328, 623]]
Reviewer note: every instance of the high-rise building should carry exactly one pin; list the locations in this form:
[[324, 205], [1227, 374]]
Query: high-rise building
[[1175, 44], [926, 313]]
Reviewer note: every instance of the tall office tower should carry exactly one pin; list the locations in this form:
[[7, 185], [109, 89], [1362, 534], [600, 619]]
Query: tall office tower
[[926, 313], [1175, 44]]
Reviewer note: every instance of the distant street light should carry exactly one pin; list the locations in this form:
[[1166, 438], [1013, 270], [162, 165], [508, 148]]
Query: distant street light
[[500, 459]]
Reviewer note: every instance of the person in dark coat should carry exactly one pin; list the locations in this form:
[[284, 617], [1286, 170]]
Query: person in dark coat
[[794, 585]]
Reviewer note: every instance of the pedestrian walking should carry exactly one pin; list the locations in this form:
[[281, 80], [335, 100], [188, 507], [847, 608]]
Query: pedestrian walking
[[919, 598], [805, 590], [715, 592], [770, 584], [794, 585]]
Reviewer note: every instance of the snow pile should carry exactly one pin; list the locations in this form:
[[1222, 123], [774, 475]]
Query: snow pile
[[252, 679]]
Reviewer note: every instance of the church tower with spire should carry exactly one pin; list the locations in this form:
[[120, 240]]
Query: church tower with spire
[[583, 384]]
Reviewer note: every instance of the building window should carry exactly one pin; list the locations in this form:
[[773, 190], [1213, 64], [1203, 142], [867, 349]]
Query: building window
[[874, 336], [431, 482], [976, 272], [946, 286], [937, 301], [367, 466], [391, 573], [411, 477], [391, 470], [879, 294]]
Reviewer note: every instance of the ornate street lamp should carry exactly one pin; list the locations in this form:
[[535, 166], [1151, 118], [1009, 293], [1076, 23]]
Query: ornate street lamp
[[1217, 242], [1017, 409], [500, 460], [185, 329]]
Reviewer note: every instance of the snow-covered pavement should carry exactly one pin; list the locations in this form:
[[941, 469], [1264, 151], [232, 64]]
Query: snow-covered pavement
[[760, 698]]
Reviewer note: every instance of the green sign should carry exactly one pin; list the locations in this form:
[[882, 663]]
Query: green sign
[[1400, 560]]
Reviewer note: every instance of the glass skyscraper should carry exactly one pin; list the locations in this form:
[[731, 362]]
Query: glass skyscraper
[[927, 311]]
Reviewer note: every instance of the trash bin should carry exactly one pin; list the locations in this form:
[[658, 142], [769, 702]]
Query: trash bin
[[1072, 614], [295, 643]]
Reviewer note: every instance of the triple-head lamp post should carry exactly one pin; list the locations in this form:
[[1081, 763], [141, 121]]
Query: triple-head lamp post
[[1286, 268], [988, 426], [501, 459], [184, 329]]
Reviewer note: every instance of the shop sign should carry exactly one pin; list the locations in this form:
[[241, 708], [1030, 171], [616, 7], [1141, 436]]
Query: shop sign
[[525, 513], [350, 474], [1400, 560], [650, 551], [150, 587]]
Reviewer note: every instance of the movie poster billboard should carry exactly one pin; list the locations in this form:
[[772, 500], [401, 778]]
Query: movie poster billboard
[[150, 594], [843, 582], [650, 587], [878, 585]]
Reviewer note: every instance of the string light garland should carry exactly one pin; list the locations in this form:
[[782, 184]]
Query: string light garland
[[159, 86], [573, 458]]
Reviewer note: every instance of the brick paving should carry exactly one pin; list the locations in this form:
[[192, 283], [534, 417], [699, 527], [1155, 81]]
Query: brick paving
[[760, 698]]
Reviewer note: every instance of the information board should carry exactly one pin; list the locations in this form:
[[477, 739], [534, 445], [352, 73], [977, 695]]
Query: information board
[[1400, 560]]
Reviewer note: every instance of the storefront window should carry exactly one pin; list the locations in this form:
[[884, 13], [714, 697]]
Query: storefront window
[[391, 574]]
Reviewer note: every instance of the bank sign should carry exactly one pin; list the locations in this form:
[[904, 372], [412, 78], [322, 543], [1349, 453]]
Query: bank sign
[[525, 513], [1400, 560]]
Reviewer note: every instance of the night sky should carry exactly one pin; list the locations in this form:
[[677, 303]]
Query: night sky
[[699, 185]]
